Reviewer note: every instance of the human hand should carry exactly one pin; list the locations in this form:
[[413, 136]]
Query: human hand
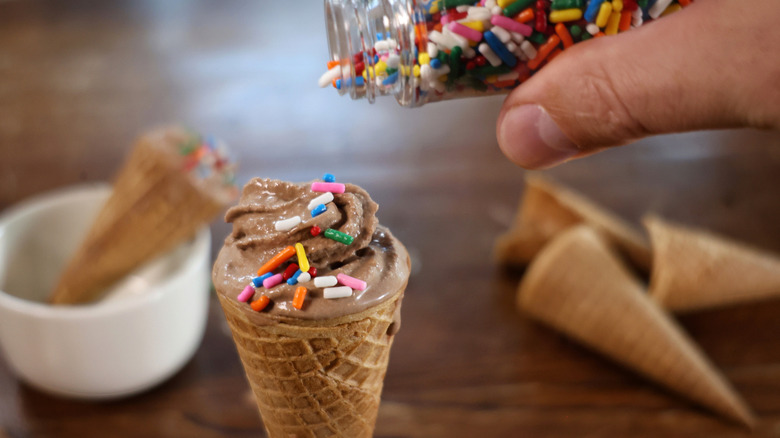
[[715, 64]]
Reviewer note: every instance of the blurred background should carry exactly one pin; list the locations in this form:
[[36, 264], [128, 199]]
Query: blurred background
[[80, 80]]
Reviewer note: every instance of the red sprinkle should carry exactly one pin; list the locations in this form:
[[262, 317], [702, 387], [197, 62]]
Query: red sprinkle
[[315, 230], [313, 272], [290, 271]]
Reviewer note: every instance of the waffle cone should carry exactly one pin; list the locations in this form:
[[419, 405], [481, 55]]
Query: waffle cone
[[548, 208], [153, 207], [578, 286], [316, 378], [693, 269]]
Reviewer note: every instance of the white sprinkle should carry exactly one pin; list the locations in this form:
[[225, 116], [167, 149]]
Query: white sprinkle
[[502, 34], [496, 10], [528, 49], [329, 76], [326, 281], [517, 37], [658, 8], [511, 46], [477, 13], [304, 277], [337, 292], [433, 49], [592, 28], [385, 45], [287, 224], [490, 4], [489, 54], [462, 8], [393, 61], [511, 76], [322, 199]]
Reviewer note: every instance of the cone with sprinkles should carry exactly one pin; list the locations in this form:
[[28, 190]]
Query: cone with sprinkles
[[171, 185]]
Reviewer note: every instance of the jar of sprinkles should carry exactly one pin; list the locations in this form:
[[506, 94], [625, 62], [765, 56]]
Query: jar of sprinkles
[[422, 51]]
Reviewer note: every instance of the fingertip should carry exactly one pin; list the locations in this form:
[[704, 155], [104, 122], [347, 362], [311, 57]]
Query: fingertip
[[530, 138]]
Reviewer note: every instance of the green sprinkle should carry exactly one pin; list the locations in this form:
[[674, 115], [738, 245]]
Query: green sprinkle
[[454, 62], [516, 7], [390, 71], [586, 36], [538, 38], [575, 31], [642, 3], [338, 236], [449, 4], [566, 4], [489, 70]]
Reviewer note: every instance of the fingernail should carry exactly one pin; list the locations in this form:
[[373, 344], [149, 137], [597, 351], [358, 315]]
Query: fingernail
[[529, 137]]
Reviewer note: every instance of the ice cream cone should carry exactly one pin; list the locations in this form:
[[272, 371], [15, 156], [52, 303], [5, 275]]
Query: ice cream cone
[[578, 286], [316, 378], [694, 269], [154, 206], [548, 208]]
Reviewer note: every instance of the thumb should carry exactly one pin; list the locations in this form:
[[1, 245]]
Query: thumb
[[707, 66]]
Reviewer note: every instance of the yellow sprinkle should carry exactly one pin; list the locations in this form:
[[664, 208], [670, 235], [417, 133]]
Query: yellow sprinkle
[[424, 58], [490, 79], [671, 9], [476, 25], [416, 71], [434, 8], [303, 262], [617, 5], [612, 24], [504, 3], [380, 67], [564, 15], [404, 70], [603, 16]]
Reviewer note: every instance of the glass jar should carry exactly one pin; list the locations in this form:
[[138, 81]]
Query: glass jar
[[422, 51]]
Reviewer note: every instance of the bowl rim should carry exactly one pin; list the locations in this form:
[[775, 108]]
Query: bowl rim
[[64, 195]]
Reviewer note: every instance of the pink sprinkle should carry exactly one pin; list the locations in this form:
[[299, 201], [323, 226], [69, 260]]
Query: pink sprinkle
[[465, 31], [328, 187], [246, 294], [352, 282], [272, 281], [512, 25]]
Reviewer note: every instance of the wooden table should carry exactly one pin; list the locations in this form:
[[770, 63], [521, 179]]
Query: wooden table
[[79, 79]]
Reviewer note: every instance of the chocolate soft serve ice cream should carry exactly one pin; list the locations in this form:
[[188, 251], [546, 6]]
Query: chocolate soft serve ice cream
[[318, 370]]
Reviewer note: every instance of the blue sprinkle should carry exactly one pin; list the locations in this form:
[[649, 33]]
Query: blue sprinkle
[[294, 279], [435, 63], [393, 78], [338, 84], [258, 281], [376, 59], [508, 57], [379, 36], [318, 210], [359, 81], [329, 177], [592, 10]]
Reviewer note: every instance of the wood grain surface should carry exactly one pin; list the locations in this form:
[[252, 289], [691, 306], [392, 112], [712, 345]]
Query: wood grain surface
[[80, 79]]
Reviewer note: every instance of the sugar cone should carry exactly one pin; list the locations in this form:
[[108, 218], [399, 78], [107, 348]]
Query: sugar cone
[[578, 286], [316, 378], [548, 208], [693, 269], [153, 207]]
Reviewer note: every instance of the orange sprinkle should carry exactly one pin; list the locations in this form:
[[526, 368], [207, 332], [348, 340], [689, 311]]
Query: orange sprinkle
[[684, 3], [599, 35], [437, 27], [543, 51], [525, 16], [625, 21], [334, 84], [260, 303], [332, 64], [300, 295], [276, 260], [563, 32], [553, 54]]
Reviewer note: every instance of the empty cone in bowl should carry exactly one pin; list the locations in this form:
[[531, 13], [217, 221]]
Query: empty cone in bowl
[[173, 183], [578, 286], [547, 208], [694, 269], [311, 287]]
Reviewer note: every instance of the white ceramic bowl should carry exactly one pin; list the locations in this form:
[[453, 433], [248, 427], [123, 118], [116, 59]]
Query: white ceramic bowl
[[146, 329]]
